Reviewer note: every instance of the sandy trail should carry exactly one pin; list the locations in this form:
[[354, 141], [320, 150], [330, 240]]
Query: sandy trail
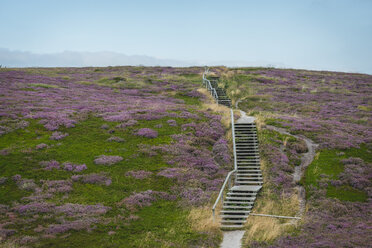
[[306, 160], [232, 239]]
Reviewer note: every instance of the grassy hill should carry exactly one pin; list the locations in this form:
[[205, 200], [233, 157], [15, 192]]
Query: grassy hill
[[108, 157], [134, 156], [334, 110]]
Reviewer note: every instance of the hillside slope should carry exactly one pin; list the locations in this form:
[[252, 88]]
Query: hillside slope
[[332, 109], [133, 157], [108, 157]]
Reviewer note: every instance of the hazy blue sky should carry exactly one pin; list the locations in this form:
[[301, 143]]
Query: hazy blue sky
[[334, 35]]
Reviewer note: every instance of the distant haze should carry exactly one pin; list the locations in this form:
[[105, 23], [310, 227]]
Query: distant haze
[[80, 59], [310, 34]]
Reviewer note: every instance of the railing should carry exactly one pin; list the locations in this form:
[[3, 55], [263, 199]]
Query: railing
[[220, 195], [277, 216], [209, 87], [233, 138], [231, 173]]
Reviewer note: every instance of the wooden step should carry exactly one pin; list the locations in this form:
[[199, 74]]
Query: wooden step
[[235, 212], [249, 182], [242, 194], [229, 204], [243, 167], [240, 198], [241, 216], [232, 227], [234, 221], [247, 174]]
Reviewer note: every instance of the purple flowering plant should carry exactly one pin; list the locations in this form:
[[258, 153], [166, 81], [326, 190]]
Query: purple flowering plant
[[55, 195]]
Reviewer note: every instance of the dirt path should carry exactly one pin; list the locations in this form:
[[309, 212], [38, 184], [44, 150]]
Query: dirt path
[[306, 160], [232, 239]]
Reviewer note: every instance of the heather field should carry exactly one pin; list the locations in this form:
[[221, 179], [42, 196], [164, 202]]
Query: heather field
[[135, 156], [108, 157], [332, 109]]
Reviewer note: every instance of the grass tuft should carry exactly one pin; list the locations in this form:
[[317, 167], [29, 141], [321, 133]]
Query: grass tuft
[[201, 220], [44, 85]]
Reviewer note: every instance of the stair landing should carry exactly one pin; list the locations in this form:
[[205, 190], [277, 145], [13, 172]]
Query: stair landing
[[246, 188]]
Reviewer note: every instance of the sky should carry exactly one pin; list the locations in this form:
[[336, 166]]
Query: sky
[[310, 34]]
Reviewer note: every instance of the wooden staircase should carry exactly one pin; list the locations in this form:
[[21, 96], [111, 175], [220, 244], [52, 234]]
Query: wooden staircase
[[239, 199], [248, 180], [222, 97]]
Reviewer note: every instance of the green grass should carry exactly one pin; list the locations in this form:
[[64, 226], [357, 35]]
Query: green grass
[[272, 137], [85, 142], [9, 192], [328, 162], [188, 100], [347, 193], [44, 85], [256, 101], [162, 224], [117, 82], [274, 122], [191, 75]]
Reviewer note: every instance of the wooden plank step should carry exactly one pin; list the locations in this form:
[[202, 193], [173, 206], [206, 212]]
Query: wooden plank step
[[238, 204], [235, 212], [242, 182], [242, 194], [238, 208], [249, 180], [253, 170], [232, 226], [233, 221], [248, 174], [242, 167], [242, 216], [240, 198], [246, 188], [252, 178], [246, 132]]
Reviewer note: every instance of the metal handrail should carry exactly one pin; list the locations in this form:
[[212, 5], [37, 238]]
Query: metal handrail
[[221, 191], [233, 138], [227, 181], [215, 94], [231, 172], [208, 85]]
